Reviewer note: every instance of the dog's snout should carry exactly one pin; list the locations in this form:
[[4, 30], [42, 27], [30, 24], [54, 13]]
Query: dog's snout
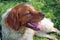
[[42, 15]]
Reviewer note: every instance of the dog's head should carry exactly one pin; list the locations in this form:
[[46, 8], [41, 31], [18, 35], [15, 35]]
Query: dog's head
[[21, 15]]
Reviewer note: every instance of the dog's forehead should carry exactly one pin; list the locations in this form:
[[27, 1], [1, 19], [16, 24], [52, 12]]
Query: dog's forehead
[[30, 6]]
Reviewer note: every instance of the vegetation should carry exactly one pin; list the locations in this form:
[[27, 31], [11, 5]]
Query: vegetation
[[51, 9]]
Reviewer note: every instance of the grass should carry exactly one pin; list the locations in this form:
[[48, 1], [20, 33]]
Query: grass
[[9, 4]]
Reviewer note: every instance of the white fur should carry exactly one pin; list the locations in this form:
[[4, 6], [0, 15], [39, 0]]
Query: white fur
[[9, 34], [48, 26]]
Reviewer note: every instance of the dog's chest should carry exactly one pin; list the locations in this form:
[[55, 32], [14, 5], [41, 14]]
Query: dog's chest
[[10, 34]]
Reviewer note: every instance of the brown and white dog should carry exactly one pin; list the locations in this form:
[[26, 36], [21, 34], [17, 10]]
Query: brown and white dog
[[23, 22], [18, 20]]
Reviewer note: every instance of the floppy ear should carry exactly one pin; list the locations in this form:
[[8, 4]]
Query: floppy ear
[[17, 18], [12, 20]]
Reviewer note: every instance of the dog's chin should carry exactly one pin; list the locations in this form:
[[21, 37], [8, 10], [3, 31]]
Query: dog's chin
[[34, 25]]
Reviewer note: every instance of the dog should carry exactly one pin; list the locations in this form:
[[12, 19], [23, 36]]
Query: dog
[[27, 31], [20, 22]]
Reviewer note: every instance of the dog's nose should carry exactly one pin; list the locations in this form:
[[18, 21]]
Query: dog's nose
[[42, 15]]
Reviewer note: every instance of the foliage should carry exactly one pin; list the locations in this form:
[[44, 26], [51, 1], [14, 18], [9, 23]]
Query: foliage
[[51, 9]]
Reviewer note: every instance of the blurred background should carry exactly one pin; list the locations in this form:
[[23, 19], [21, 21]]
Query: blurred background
[[51, 9]]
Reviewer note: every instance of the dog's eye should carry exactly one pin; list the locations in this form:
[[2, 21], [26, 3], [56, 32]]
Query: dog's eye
[[41, 14]]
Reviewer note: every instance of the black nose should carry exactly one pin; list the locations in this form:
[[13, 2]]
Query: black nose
[[42, 15]]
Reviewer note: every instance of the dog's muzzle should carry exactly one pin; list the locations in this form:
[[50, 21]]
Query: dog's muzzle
[[34, 26]]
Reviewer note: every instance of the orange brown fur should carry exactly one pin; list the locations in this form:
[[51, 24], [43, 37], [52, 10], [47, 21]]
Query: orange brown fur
[[17, 18]]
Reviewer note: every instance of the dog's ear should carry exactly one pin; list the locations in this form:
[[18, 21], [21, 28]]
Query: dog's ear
[[12, 20], [17, 17]]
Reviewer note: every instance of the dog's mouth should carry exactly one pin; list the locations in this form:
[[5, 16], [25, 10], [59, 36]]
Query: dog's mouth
[[34, 25]]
